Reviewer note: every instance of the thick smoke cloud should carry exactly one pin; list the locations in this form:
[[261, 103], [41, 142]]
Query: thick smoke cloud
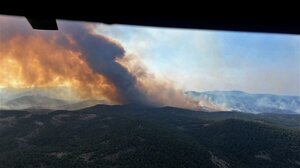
[[94, 65], [101, 54], [160, 92]]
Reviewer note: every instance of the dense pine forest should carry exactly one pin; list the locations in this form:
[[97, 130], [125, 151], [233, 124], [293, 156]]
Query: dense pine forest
[[140, 136]]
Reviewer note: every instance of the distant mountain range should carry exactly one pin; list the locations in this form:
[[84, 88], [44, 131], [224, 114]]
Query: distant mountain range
[[60, 92], [208, 101], [35, 102], [46, 98], [245, 102]]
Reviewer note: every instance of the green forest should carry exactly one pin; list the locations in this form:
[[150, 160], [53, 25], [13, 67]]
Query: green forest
[[142, 136]]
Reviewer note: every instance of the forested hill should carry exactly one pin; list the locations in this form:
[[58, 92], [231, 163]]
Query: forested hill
[[139, 136]]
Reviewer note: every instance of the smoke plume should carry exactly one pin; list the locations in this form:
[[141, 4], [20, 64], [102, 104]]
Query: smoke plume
[[101, 54], [95, 66]]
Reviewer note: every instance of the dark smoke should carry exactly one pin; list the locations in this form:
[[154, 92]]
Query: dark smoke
[[121, 78], [101, 54]]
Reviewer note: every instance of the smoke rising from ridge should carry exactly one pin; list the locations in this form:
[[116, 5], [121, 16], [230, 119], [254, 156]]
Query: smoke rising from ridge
[[95, 66], [101, 54]]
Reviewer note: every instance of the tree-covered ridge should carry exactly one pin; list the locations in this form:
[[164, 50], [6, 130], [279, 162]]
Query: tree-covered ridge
[[139, 136]]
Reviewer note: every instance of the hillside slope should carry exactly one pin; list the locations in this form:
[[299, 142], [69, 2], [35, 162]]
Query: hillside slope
[[139, 136]]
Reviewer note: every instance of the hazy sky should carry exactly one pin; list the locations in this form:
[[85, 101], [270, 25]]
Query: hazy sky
[[215, 60], [204, 60]]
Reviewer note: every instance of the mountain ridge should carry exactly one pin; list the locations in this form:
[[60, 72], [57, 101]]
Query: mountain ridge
[[246, 102], [141, 136]]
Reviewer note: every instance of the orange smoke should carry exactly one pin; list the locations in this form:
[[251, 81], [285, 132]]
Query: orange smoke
[[34, 61], [91, 65]]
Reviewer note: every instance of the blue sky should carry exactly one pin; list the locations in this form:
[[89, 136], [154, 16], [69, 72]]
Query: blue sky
[[215, 60]]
